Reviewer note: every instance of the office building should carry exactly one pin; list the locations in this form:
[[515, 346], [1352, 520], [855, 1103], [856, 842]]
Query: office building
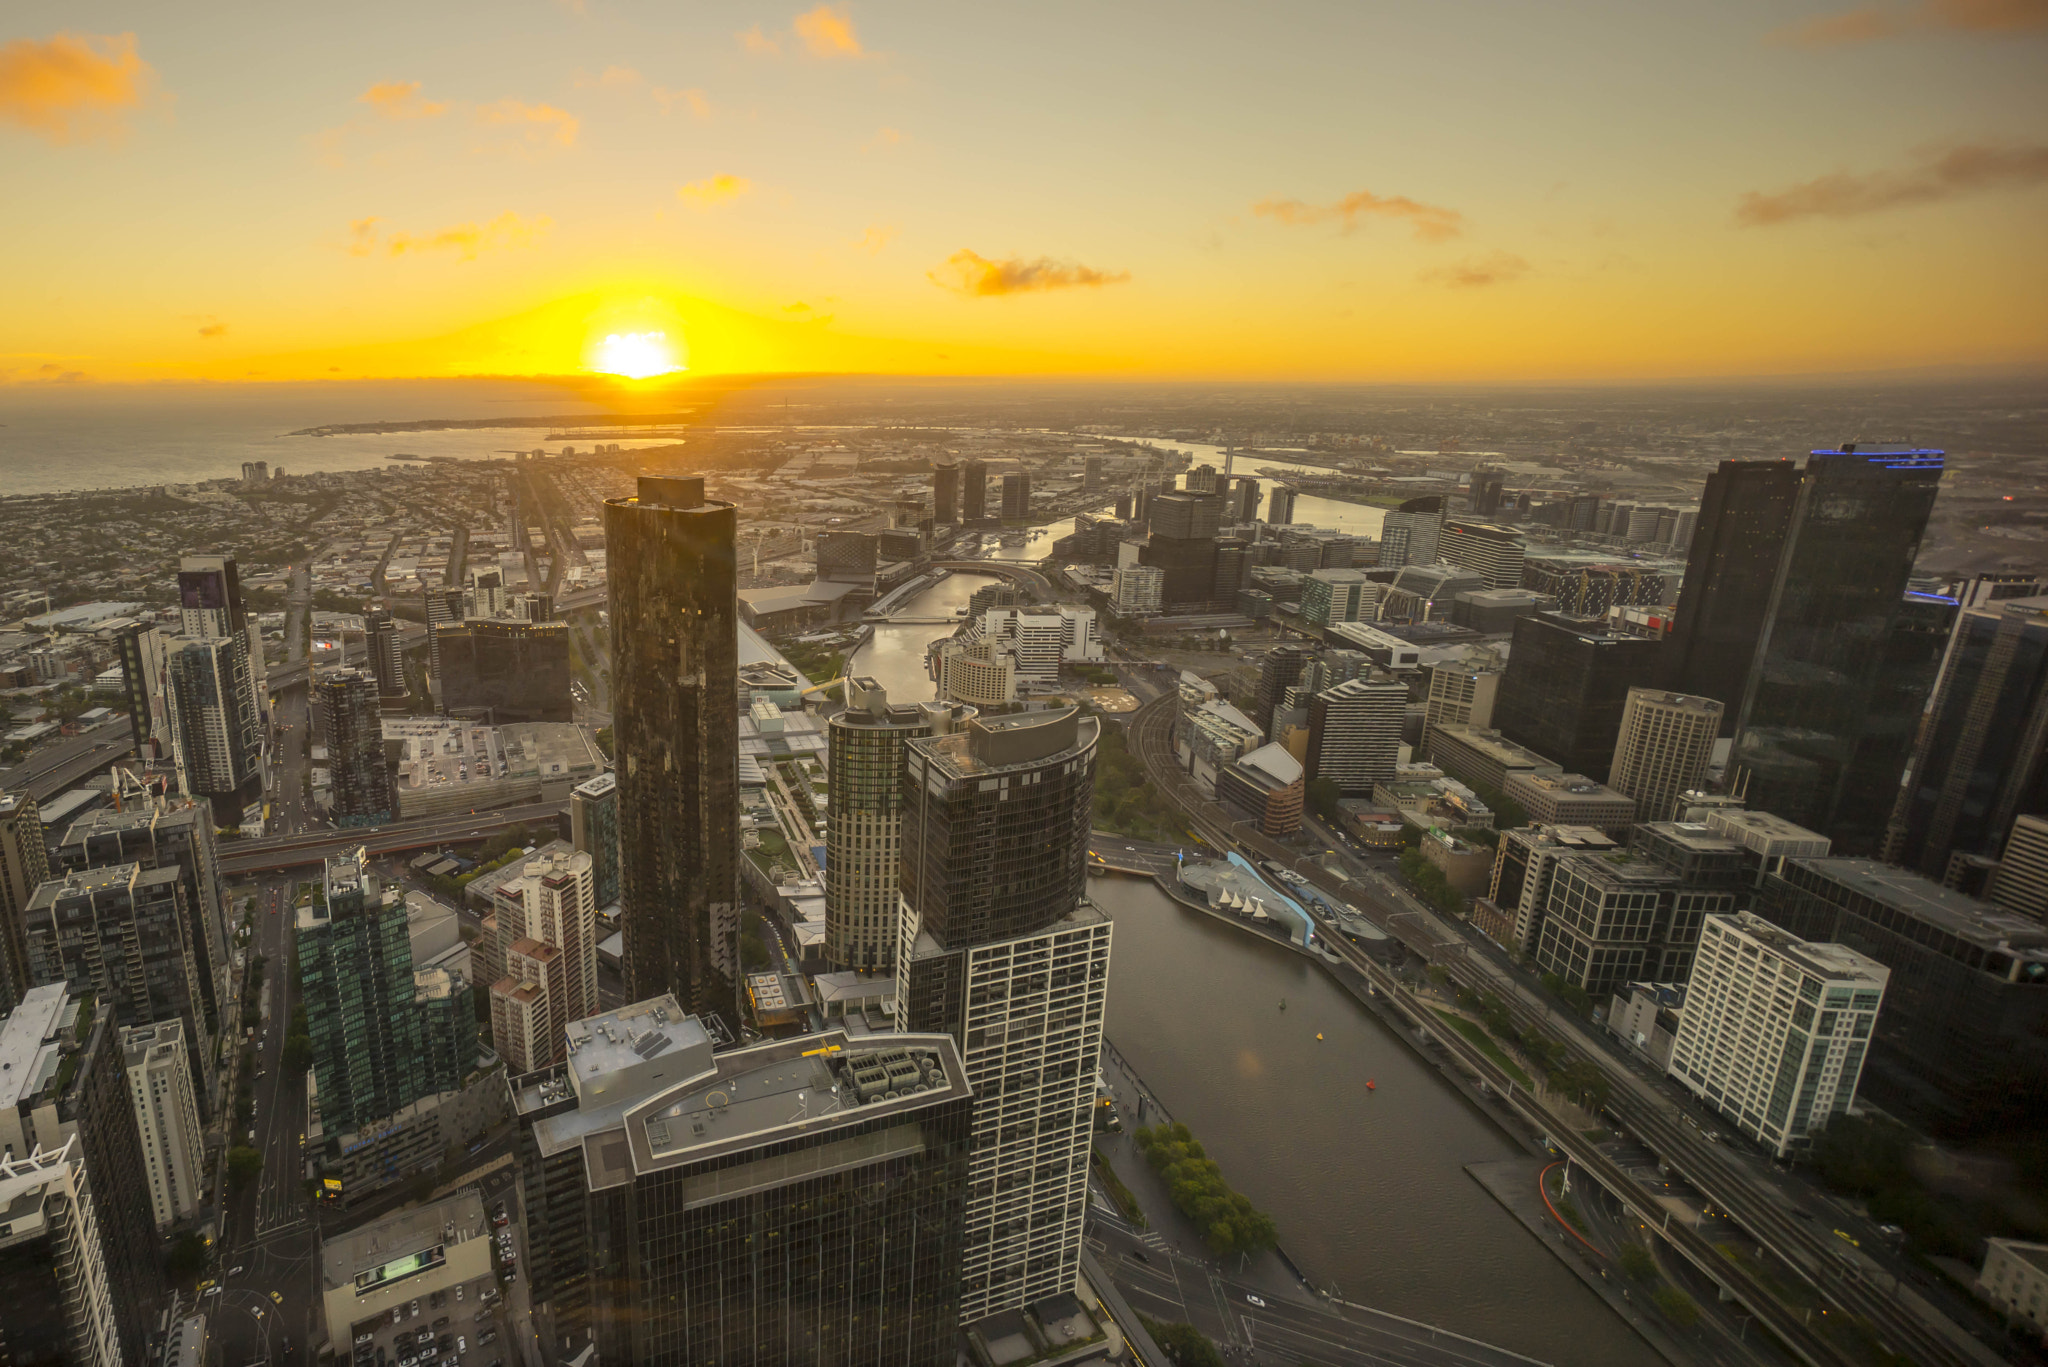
[[60, 1297], [1001, 951], [1427, 593], [1588, 588], [2015, 1280], [1279, 670], [1978, 762], [1611, 920], [1091, 471], [1280, 505], [946, 492], [140, 649], [979, 673], [1662, 752], [1524, 866], [1186, 516], [443, 607], [24, 867], [1775, 1030], [1487, 490], [1767, 840], [1482, 758], [594, 830], [797, 1200], [546, 935], [1245, 500], [384, 1035], [1731, 574], [864, 843], [351, 722], [1566, 686], [1017, 496], [973, 491], [1410, 533], [1495, 551], [675, 674], [1966, 1042], [2021, 882], [1332, 596], [502, 671], [166, 1119], [1266, 785], [847, 557], [1836, 689], [1494, 612], [216, 727], [1354, 733], [386, 649], [1571, 800], [1135, 590], [1460, 696], [64, 1089]]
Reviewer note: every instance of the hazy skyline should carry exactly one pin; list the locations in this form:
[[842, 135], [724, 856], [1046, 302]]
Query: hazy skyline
[[1355, 192]]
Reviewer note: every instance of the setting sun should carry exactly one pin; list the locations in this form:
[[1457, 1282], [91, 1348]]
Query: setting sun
[[635, 355]]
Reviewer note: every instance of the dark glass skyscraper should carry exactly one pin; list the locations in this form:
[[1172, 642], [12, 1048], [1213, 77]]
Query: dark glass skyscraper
[[1566, 687], [945, 491], [1745, 515], [594, 829], [1978, 762], [1842, 670], [675, 691], [346, 700], [505, 671], [973, 491]]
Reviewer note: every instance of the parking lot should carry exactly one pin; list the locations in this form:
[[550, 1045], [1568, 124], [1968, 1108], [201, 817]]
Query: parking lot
[[463, 1325]]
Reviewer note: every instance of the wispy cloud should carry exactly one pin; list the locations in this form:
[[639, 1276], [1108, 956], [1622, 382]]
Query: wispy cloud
[[878, 236], [692, 100], [825, 33], [884, 137], [537, 124], [611, 78], [466, 240], [714, 189], [1498, 269], [1432, 222], [213, 328], [401, 100], [1876, 23], [1951, 174], [74, 86], [970, 273]]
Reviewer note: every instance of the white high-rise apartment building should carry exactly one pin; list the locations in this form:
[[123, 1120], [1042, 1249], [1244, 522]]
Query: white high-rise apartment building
[[1775, 1029], [52, 1233], [1355, 733], [1666, 742], [1494, 551], [167, 1115], [547, 940], [1134, 590]]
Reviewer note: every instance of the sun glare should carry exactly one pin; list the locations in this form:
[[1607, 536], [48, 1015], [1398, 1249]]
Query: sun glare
[[635, 355]]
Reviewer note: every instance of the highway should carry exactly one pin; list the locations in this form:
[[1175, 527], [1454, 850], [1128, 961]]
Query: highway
[[312, 847], [67, 763], [1898, 1317]]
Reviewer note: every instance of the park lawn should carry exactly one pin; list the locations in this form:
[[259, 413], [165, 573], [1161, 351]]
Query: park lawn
[[1475, 1032]]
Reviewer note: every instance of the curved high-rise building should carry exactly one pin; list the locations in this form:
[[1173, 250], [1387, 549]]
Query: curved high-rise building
[[675, 685]]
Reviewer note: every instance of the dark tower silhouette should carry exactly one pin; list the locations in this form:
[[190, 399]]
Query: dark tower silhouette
[[1744, 516]]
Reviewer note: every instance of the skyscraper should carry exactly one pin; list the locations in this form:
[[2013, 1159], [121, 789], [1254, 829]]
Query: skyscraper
[[141, 650], [1565, 686], [1409, 534], [1842, 668], [386, 650], [973, 491], [864, 843], [1978, 760], [1487, 489], [1245, 506], [1280, 505], [547, 938], [505, 670], [1000, 948], [384, 1035], [1495, 552], [352, 723], [594, 830], [60, 1301], [794, 1201], [945, 491], [1017, 496], [24, 867], [1279, 670], [216, 726], [166, 1118], [675, 682], [444, 607], [1665, 744], [1725, 598], [1354, 733]]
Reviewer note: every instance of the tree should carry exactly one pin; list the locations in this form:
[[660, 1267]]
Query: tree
[[604, 740], [1324, 796], [753, 953], [298, 1053], [1183, 1343], [1638, 1263], [244, 1164], [1677, 1306], [187, 1257]]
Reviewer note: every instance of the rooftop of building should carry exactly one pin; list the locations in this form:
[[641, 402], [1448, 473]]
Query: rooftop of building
[[402, 1239], [1014, 742], [1274, 761], [1590, 839], [1567, 785], [1494, 746], [138, 1042], [603, 785], [1962, 916], [86, 881], [1693, 836], [1820, 958], [1686, 702], [1763, 831], [28, 1054], [2034, 1255]]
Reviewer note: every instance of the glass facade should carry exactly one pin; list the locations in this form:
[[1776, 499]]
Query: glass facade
[[1566, 687], [594, 830], [1846, 660], [505, 671], [675, 686], [864, 843]]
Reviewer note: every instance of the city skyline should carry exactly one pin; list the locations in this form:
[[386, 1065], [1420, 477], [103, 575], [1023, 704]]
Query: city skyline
[[1319, 192]]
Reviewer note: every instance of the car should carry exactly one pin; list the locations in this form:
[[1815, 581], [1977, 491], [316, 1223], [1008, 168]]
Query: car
[[211, 1291], [461, 1345], [441, 1322], [487, 1336], [276, 1298], [511, 1274], [1255, 1300], [237, 1271], [458, 1293], [362, 1339], [203, 1285], [408, 1362], [257, 1312], [302, 1140], [511, 1255]]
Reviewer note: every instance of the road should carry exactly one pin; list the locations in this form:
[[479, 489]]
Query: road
[[1850, 1280], [66, 763], [313, 847]]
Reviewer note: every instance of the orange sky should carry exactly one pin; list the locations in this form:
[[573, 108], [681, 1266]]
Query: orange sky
[[1322, 191]]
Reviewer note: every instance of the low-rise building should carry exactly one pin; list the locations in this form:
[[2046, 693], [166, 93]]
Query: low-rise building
[[1482, 757], [1525, 863], [1645, 1017], [369, 1273], [1571, 800], [1264, 785], [2015, 1279]]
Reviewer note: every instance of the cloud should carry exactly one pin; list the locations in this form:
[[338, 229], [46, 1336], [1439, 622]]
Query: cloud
[[828, 32], [74, 87], [467, 240], [878, 236], [213, 329], [1497, 269], [714, 189], [538, 124], [825, 33], [970, 273], [1951, 174], [1432, 222], [692, 99], [886, 137], [798, 307], [1873, 24], [401, 100], [611, 78]]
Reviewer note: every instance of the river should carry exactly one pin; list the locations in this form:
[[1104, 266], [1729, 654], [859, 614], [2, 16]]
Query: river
[[1368, 1189]]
